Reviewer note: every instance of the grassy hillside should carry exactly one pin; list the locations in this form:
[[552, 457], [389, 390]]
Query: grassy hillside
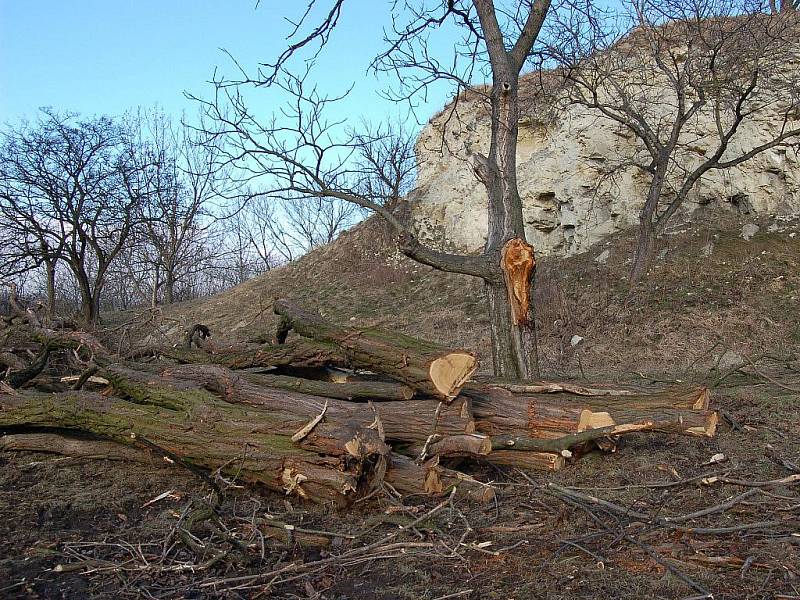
[[71, 527], [710, 291]]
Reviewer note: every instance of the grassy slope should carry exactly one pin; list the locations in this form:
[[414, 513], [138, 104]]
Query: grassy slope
[[744, 296], [57, 510]]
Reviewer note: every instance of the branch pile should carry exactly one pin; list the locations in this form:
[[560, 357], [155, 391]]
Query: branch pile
[[330, 415]]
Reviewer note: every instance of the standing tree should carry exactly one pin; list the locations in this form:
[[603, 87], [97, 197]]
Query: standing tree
[[177, 214], [72, 188], [693, 83], [302, 154]]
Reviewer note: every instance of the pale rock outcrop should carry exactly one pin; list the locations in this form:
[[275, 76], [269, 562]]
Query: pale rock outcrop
[[564, 159]]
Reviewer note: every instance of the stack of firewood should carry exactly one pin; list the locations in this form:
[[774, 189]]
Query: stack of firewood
[[335, 412]]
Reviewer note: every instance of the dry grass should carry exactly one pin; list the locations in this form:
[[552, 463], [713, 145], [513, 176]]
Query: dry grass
[[89, 515], [745, 297]]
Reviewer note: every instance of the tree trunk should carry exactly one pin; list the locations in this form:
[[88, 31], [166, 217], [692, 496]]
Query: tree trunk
[[531, 461], [358, 391], [169, 286], [52, 443], [643, 255], [513, 333], [242, 442], [646, 239], [549, 417], [89, 309], [403, 421], [51, 290], [430, 478], [429, 368], [156, 285], [299, 353], [684, 396]]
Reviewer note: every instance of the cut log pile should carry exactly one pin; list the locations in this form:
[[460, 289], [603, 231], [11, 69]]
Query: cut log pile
[[330, 415]]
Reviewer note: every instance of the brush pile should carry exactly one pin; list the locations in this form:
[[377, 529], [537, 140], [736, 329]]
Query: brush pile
[[329, 414]]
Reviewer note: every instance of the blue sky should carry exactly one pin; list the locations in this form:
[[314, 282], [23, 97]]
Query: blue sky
[[108, 56]]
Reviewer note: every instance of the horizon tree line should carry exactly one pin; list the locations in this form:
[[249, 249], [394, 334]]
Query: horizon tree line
[[109, 213]]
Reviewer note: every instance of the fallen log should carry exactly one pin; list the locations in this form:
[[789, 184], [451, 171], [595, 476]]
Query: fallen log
[[685, 397], [402, 421], [432, 479], [296, 353], [530, 461], [357, 391], [53, 443], [237, 440], [195, 389], [472, 445], [287, 417], [430, 368], [546, 416], [550, 387]]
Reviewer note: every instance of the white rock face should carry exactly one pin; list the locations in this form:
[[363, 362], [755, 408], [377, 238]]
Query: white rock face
[[569, 202]]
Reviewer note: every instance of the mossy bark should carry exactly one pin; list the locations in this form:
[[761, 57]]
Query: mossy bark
[[430, 368], [401, 421], [241, 441], [357, 391], [297, 353]]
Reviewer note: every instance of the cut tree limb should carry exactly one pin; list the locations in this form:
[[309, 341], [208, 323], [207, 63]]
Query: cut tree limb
[[52, 443], [296, 353], [403, 421], [547, 416], [196, 390], [207, 433], [359, 391], [687, 396], [470, 445], [431, 479], [531, 461], [430, 368]]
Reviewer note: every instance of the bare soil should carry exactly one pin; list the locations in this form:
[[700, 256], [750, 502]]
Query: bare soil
[[74, 528]]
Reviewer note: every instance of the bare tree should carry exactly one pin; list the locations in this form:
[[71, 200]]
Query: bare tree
[[689, 81], [300, 153], [178, 212], [72, 187], [385, 162], [265, 231]]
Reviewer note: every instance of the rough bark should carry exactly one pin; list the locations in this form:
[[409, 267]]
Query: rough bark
[[546, 416], [532, 461], [646, 238], [52, 443], [267, 428], [431, 479], [295, 353], [429, 368], [192, 389], [50, 270], [684, 396], [358, 391], [468, 445], [513, 341], [240, 441], [403, 421]]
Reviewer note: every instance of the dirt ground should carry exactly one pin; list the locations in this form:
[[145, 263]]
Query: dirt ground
[[663, 517], [74, 528]]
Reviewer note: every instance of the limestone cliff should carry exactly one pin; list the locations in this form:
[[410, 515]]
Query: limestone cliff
[[564, 161]]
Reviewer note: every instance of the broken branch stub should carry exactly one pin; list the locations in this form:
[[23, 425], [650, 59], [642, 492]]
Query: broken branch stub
[[518, 263]]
